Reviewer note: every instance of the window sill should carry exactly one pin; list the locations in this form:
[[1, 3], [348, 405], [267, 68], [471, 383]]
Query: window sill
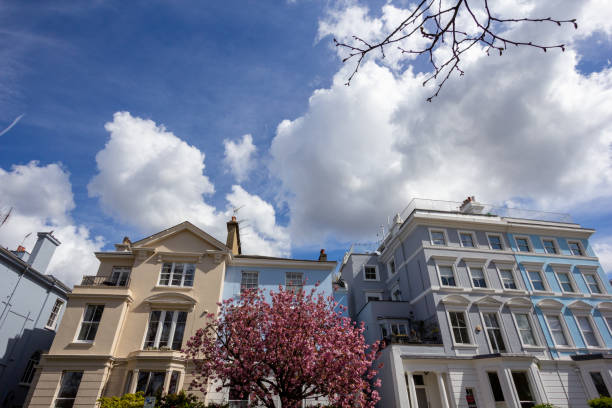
[[571, 294], [542, 293], [465, 346], [162, 287], [452, 288], [81, 344], [515, 291], [601, 295], [534, 348], [483, 290]]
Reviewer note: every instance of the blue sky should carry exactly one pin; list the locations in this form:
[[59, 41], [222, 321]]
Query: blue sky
[[323, 156]]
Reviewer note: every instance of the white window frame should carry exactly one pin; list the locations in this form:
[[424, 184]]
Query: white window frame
[[567, 269], [532, 386], [392, 271], [472, 234], [555, 244], [54, 315], [540, 270], [256, 273], [160, 328], [377, 273], [564, 328], [80, 326], [443, 231], [592, 270], [579, 242], [482, 312], [183, 274], [584, 313], [453, 268], [469, 267], [529, 244], [501, 240], [370, 293], [456, 309], [293, 286], [499, 265], [121, 270], [534, 331]]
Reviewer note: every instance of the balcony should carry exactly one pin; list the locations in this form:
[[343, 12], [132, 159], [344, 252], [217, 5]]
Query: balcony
[[93, 280], [420, 332]]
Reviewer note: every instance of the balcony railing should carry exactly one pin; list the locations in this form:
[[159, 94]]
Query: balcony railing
[[420, 332], [104, 281]]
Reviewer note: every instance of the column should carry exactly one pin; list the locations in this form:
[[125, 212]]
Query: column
[[442, 389], [167, 377], [134, 381], [411, 390], [397, 369]]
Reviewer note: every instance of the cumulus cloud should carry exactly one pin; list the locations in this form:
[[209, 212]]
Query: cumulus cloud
[[239, 157], [603, 249], [151, 179], [526, 126], [42, 199]]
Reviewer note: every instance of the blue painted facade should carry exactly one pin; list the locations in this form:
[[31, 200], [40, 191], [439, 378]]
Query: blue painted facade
[[577, 267], [27, 300], [272, 274]]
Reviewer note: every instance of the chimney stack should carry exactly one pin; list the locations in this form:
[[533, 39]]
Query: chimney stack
[[322, 256], [233, 236], [43, 251]]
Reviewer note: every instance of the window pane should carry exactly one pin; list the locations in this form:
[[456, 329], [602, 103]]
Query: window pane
[[566, 283], [91, 320], [536, 280], [189, 273], [549, 246], [370, 272], [174, 378], [600, 384], [249, 280], [438, 238], [587, 331], [153, 326], [166, 327], [508, 278], [496, 388], [522, 321], [164, 278], [143, 379], [70, 384], [523, 389], [294, 281], [478, 277], [179, 330], [467, 240], [495, 241], [177, 274], [459, 327], [591, 281], [575, 248], [523, 244], [494, 333], [446, 276], [156, 383], [557, 330]]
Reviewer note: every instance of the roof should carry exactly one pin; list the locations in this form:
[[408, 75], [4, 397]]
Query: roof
[[283, 259], [41, 277], [185, 225]]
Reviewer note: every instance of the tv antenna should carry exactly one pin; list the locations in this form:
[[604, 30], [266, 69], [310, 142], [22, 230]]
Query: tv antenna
[[4, 217], [24, 238]]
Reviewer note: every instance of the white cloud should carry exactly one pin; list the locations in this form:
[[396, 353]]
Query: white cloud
[[151, 179], [526, 125], [41, 198], [239, 157], [603, 249]]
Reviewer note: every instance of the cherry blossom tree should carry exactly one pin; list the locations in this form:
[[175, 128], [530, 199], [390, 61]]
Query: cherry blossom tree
[[285, 346]]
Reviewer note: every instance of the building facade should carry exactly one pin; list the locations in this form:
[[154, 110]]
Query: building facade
[[484, 308], [125, 326], [31, 307]]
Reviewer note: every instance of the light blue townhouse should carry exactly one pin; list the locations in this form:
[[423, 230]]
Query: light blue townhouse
[[31, 307], [572, 300], [269, 273], [484, 307]]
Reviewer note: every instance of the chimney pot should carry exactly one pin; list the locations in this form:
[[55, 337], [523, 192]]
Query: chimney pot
[[21, 248], [322, 255], [233, 218]]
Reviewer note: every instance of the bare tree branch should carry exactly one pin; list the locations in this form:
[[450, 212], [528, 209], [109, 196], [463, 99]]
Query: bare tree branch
[[439, 26]]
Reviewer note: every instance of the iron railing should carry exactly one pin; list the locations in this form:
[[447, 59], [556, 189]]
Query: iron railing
[[94, 280]]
